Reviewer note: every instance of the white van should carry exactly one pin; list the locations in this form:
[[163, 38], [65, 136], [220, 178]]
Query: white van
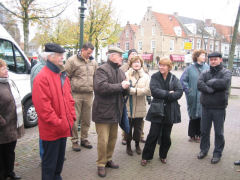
[[19, 71]]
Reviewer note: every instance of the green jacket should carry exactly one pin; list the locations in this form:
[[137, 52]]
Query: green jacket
[[36, 69]]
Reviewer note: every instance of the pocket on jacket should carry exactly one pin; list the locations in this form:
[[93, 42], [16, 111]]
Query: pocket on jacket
[[106, 111]]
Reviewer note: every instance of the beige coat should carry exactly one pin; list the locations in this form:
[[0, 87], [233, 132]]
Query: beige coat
[[139, 90], [80, 73]]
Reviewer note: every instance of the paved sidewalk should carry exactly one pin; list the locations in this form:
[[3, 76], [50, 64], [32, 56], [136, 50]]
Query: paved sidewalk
[[182, 158]]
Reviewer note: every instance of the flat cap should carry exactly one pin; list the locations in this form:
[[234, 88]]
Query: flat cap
[[215, 54], [52, 47], [115, 50]]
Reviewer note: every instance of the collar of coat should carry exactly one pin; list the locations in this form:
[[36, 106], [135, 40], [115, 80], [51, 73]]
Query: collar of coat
[[132, 72], [216, 68], [52, 67], [114, 65]]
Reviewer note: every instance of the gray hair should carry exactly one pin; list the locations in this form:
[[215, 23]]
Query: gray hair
[[44, 55]]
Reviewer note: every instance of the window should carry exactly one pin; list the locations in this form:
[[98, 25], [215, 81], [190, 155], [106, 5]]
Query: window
[[118, 45], [171, 45], [211, 46], [153, 30], [192, 41], [142, 31], [139, 45], [20, 63], [13, 57], [198, 43], [127, 34], [126, 46], [153, 45], [217, 46]]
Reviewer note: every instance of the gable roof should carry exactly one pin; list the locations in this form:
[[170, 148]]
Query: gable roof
[[167, 23], [134, 27], [225, 31]]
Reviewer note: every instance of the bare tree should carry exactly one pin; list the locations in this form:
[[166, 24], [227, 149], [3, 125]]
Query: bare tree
[[29, 11], [234, 41]]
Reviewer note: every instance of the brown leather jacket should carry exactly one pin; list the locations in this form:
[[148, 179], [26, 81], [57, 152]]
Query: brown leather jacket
[[109, 94]]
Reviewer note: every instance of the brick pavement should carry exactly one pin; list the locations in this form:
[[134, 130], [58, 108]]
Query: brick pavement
[[182, 161]]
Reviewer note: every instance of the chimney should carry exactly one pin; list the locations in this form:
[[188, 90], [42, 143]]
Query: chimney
[[175, 13], [208, 22], [149, 8], [128, 22]]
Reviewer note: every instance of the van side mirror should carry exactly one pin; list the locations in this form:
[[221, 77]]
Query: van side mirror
[[33, 62]]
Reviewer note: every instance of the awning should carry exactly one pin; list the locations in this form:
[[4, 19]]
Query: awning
[[177, 58], [148, 57]]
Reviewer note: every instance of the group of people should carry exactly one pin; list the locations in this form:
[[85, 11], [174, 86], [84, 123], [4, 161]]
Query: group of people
[[67, 95]]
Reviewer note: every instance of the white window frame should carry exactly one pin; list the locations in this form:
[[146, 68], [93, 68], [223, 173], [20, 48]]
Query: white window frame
[[142, 31], [153, 45], [127, 34], [126, 46], [198, 44], [171, 45], [139, 45], [153, 30]]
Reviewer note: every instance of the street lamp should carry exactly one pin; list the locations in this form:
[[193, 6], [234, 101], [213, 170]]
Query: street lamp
[[82, 9]]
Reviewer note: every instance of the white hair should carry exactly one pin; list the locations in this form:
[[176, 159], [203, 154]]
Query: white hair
[[44, 55]]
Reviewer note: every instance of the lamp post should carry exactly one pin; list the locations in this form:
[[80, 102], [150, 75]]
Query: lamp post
[[82, 9]]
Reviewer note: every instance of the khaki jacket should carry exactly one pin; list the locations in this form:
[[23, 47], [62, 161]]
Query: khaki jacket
[[139, 90], [80, 73]]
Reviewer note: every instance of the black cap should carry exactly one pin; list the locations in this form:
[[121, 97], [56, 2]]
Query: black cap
[[52, 47], [215, 54], [131, 50]]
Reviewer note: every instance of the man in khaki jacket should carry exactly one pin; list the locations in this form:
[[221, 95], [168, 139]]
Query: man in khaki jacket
[[80, 69]]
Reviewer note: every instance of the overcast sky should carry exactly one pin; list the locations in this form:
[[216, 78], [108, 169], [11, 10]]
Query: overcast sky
[[220, 11]]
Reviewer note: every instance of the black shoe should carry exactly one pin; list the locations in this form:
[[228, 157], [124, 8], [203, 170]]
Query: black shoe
[[13, 176], [237, 163], [215, 160], [201, 155]]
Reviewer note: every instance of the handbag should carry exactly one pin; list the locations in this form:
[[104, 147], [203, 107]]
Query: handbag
[[124, 123], [157, 108]]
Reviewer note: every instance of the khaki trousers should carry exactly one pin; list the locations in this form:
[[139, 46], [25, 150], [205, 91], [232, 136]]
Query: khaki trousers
[[83, 108], [107, 137]]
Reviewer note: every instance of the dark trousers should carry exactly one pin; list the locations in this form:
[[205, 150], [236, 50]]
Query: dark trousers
[[7, 159], [136, 125], [53, 159], [194, 128], [217, 116], [157, 131]]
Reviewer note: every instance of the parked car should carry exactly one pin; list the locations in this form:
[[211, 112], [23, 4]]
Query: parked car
[[19, 71]]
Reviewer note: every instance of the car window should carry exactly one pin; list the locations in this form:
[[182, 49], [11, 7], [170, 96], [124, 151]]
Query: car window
[[6, 53], [13, 57], [20, 62]]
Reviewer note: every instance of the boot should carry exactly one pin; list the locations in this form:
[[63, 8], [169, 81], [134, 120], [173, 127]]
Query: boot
[[129, 150], [138, 149]]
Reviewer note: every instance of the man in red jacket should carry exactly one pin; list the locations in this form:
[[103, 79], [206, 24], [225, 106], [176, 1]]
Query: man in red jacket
[[54, 105]]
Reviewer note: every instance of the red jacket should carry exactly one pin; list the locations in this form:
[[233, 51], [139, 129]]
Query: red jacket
[[54, 104]]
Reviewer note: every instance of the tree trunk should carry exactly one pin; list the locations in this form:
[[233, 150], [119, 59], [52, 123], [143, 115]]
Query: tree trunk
[[96, 49], [26, 32], [234, 41]]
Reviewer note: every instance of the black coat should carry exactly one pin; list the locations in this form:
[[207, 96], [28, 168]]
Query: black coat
[[172, 108], [108, 101], [214, 86]]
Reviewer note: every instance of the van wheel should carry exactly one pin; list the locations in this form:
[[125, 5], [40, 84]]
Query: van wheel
[[30, 116]]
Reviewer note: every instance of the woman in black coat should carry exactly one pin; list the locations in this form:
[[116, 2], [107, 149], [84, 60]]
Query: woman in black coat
[[166, 89]]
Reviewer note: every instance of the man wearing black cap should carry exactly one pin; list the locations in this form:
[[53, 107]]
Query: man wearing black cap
[[214, 86], [110, 86], [54, 105]]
